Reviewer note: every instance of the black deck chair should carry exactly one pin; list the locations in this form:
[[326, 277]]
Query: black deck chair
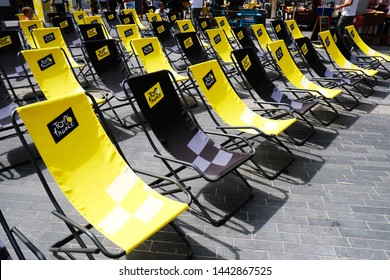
[[112, 19], [331, 76], [202, 24], [282, 33], [109, 63], [173, 17], [92, 31], [13, 233], [69, 31], [51, 15], [192, 48], [11, 69], [126, 19], [255, 74], [182, 138]]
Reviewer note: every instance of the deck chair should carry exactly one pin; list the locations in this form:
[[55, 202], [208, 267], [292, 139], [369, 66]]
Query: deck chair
[[11, 69], [112, 20], [203, 24], [329, 77], [14, 235], [79, 16], [245, 40], [293, 28], [151, 56], [192, 47], [69, 31], [153, 17], [338, 60], [294, 75], [185, 25], [379, 57], [216, 91], [110, 65], [126, 19], [255, 74], [281, 32], [92, 31], [84, 159], [147, 31], [127, 33], [184, 142], [27, 26], [223, 23], [164, 34], [97, 19], [172, 18], [221, 45]]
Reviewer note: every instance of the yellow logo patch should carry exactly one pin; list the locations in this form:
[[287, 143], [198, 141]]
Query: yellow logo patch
[[204, 24], [335, 38], [188, 42], [304, 49], [102, 52], [126, 20], [240, 35], [154, 95], [160, 29], [278, 28], [173, 18], [92, 32], [5, 41], [111, 16], [246, 62], [64, 24]]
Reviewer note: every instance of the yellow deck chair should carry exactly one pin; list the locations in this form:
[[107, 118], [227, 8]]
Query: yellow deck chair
[[91, 173], [127, 33], [185, 25], [365, 49], [133, 12], [261, 35], [295, 76], [153, 17], [79, 16], [337, 57], [27, 26], [223, 99], [51, 69], [220, 43], [52, 37], [98, 19], [294, 28], [223, 23]]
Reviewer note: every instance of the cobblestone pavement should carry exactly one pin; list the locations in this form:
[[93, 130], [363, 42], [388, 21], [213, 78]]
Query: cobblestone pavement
[[333, 202]]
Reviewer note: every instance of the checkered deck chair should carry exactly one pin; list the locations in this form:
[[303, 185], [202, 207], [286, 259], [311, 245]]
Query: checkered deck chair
[[254, 73], [216, 91], [79, 16], [27, 26], [330, 77], [192, 48], [68, 30], [378, 57], [109, 63], [88, 167], [340, 61], [13, 235], [151, 56], [11, 68], [183, 141], [294, 75]]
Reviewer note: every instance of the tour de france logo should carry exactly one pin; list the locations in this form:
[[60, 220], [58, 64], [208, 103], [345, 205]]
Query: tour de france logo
[[160, 29], [49, 38], [221, 23], [335, 38], [279, 53], [129, 32], [204, 24], [188, 42], [111, 16], [91, 32], [209, 80], [81, 16], [304, 49], [259, 32], [63, 125], [352, 34], [31, 27], [46, 62], [94, 21], [173, 17], [64, 24], [292, 27], [148, 49], [240, 35], [217, 39], [126, 20], [154, 95], [327, 41], [102, 52], [246, 62], [185, 27], [278, 28], [5, 41]]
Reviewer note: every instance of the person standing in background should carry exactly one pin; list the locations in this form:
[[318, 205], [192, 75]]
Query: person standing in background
[[79, 6], [93, 6], [59, 5], [196, 10], [348, 13], [112, 5]]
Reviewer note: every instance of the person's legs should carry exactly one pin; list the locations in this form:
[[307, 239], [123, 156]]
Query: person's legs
[[340, 28]]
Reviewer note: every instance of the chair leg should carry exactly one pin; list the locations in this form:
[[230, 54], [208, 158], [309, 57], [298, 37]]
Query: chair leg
[[355, 103], [308, 135], [327, 103], [183, 238]]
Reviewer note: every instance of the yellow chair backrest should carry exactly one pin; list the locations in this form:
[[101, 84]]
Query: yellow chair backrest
[[133, 12], [294, 28], [98, 19], [127, 33], [289, 68], [222, 97], [21, 16], [185, 25], [27, 27], [220, 43], [79, 16], [52, 37], [52, 72], [223, 23], [363, 46], [153, 17], [338, 57], [92, 174], [261, 35]]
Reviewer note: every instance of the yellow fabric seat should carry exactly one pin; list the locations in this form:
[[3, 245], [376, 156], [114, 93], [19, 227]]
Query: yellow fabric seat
[[127, 33], [27, 26], [79, 16]]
